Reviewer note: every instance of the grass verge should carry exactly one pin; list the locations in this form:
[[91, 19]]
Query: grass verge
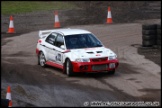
[[17, 7]]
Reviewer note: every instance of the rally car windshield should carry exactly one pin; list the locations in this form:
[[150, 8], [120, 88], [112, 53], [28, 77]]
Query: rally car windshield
[[82, 41]]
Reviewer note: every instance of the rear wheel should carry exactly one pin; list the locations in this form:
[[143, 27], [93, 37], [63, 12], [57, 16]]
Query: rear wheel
[[42, 59], [69, 68]]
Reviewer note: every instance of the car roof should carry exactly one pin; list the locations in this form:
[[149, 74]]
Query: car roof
[[70, 31]]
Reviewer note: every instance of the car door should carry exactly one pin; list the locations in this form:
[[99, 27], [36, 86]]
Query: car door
[[50, 49], [58, 50]]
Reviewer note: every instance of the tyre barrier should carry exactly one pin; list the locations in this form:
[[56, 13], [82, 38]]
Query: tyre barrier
[[158, 37], [159, 31], [149, 32], [158, 26], [149, 27], [149, 35], [148, 43], [4, 102], [158, 40]]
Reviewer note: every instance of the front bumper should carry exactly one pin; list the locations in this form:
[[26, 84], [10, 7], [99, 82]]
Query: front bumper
[[95, 66]]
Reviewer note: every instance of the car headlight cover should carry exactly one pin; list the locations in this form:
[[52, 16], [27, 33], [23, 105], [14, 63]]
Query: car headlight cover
[[82, 60], [112, 57]]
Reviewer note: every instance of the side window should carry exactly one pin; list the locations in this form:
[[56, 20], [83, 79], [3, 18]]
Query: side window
[[59, 41], [51, 38]]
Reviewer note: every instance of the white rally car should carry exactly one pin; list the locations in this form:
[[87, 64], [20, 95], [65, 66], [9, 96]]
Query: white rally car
[[74, 50]]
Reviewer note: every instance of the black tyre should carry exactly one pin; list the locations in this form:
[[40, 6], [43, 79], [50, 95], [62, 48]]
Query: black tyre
[[155, 46], [148, 32], [149, 26], [159, 47], [158, 42], [159, 31], [42, 59], [158, 26], [159, 37], [147, 43], [69, 68], [148, 37], [38, 60]]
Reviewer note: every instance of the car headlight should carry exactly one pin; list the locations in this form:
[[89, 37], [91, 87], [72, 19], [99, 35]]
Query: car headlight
[[82, 60], [112, 57]]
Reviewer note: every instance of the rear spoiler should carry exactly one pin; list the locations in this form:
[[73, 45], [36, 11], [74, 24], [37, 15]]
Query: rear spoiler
[[43, 33]]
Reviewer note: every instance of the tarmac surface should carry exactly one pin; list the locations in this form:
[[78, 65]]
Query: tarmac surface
[[137, 79]]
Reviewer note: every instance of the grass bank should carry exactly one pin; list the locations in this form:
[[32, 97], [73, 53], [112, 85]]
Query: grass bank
[[17, 7]]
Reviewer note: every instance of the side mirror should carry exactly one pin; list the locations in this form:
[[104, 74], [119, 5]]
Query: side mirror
[[62, 47]]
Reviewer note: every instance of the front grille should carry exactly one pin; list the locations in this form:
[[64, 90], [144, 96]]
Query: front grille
[[99, 67], [99, 59]]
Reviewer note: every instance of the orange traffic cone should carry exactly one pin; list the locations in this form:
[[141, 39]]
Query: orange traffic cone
[[8, 96], [57, 23], [11, 26], [109, 17]]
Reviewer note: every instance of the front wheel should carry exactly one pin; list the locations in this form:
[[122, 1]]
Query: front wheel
[[42, 59], [69, 69]]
